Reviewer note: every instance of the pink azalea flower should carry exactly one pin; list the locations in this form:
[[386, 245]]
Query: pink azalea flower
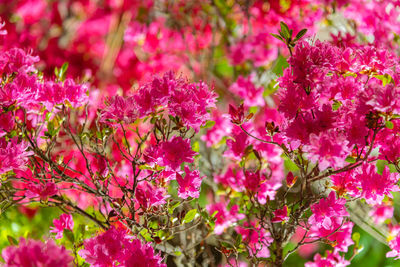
[[345, 183], [221, 128], [138, 254], [105, 249], [326, 210], [267, 191], [224, 217], [188, 101], [340, 239], [394, 243], [189, 185], [13, 155], [253, 180], [389, 143], [237, 144], [64, 222], [6, 123], [329, 149], [190, 104], [290, 179], [375, 186], [52, 93], [115, 248], [172, 153], [310, 63], [30, 253], [17, 60], [233, 177], [41, 191], [380, 213], [257, 239], [148, 195], [333, 259], [119, 109], [22, 91], [280, 215], [246, 90]]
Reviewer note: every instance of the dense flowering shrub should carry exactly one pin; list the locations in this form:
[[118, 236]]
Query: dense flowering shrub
[[199, 133]]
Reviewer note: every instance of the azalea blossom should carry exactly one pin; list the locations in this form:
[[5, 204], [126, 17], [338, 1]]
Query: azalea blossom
[[326, 210], [36, 253], [64, 222], [189, 185]]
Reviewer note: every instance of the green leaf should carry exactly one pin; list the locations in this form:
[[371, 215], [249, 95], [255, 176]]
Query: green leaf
[[336, 105], [12, 240], [389, 124], [178, 253], [173, 207], [380, 166], [214, 214], [238, 240], [69, 235], [356, 237], [208, 124], [277, 37], [190, 216], [196, 146], [145, 233], [285, 32], [350, 159], [300, 34]]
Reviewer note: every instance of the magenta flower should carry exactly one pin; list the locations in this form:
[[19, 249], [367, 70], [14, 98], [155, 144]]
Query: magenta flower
[[119, 109], [246, 90], [233, 177], [148, 195], [267, 191], [326, 210], [64, 222], [189, 185], [224, 218], [253, 180], [52, 93], [237, 144], [13, 155], [332, 259], [17, 60], [329, 149], [31, 253], [381, 213], [257, 238], [41, 191], [105, 249], [221, 128], [375, 186], [115, 248], [141, 255], [190, 103], [345, 183], [339, 239], [290, 179], [172, 153], [280, 215], [394, 243]]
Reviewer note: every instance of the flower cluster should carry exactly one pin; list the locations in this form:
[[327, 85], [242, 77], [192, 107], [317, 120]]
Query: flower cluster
[[115, 246], [199, 132], [36, 253]]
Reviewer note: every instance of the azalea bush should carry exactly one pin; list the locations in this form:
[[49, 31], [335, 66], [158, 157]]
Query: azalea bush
[[199, 133]]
